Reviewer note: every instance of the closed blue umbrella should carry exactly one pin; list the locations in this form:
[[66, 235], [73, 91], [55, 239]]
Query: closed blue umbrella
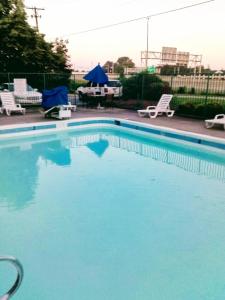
[[97, 75]]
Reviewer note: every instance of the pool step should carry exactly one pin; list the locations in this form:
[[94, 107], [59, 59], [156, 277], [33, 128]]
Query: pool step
[[19, 278]]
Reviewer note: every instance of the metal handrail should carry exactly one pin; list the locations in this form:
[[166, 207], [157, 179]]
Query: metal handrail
[[19, 278]]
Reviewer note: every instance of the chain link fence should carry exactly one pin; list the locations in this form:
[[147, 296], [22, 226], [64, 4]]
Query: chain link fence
[[194, 95], [37, 82], [198, 96], [40, 81]]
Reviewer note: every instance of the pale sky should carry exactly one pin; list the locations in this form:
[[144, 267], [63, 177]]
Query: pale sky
[[198, 30]]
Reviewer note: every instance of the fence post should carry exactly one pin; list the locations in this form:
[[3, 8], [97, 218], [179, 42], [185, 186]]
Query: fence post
[[207, 93], [142, 87], [207, 90], [44, 81], [171, 82], [172, 92]]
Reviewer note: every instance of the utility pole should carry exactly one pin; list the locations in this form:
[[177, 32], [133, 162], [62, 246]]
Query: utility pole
[[147, 44], [35, 15]]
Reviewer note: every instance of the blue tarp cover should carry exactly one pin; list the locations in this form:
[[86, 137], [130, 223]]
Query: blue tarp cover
[[54, 97], [97, 75]]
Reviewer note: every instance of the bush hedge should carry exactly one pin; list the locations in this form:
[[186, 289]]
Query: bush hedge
[[144, 86], [203, 111], [182, 90], [73, 85]]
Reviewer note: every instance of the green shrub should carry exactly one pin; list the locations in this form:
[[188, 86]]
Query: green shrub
[[203, 111], [138, 105], [110, 103], [166, 88], [213, 109], [93, 101], [74, 84], [187, 108], [182, 90], [131, 87], [131, 104], [199, 110], [143, 86], [192, 91], [154, 91]]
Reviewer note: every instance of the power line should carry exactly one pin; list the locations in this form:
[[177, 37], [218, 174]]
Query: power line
[[138, 19], [35, 15]]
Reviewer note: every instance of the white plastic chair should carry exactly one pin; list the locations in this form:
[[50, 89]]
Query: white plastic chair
[[159, 109], [9, 105], [71, 106], [20, 85], [58, 112], [219, 120], [22, 94]]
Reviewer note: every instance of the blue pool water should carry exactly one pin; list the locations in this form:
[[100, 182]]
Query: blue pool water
[[104, 214]]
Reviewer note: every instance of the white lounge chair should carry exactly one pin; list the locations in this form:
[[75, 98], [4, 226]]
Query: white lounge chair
[[71, 106], [9, 105], [219, 120], [159, 109], [24, 93], [20, 85], [58, 112]]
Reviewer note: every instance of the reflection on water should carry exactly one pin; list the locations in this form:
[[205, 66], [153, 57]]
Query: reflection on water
[[19, 163], [98, 147], [191, 160], [53, 151], [18, 176], [19, 168]]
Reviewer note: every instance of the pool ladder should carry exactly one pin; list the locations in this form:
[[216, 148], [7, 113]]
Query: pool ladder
[[19, 278]]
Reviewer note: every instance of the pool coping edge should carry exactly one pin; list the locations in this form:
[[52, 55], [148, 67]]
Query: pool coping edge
[[25, 129]]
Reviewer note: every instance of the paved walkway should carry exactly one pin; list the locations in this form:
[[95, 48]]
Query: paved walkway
[[186, 124]]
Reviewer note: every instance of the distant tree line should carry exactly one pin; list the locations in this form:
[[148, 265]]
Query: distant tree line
[[184, 70], [119, 66], [125, 62]]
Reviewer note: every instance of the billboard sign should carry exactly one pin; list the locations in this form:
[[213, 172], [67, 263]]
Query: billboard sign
[[169, 55], [183, 58]]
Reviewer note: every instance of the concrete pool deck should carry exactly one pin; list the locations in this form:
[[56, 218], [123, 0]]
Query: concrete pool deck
[[186, 124]]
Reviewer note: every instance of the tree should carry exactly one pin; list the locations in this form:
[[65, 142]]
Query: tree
[[109, 66], [119, 66], [176, 70], [122, 63], [125, 62], [168, 70], [22, 48], [62, 59]]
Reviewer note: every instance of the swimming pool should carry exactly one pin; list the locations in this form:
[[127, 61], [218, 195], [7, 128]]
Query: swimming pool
[[108, 213]]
